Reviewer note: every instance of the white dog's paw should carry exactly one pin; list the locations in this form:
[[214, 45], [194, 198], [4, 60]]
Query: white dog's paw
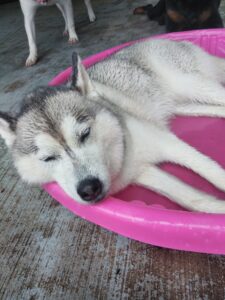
[[92, 17], [31, 60], [73, 39]]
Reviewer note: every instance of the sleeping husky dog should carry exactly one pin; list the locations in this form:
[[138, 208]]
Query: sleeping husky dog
[[29, 8], [110, 129]]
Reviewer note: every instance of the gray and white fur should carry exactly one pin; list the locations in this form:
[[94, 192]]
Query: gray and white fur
[[110, 128], [29, 8]]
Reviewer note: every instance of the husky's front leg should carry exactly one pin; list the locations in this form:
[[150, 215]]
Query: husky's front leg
[[29, 10], [176, 151], [179, 192], [67, 9]]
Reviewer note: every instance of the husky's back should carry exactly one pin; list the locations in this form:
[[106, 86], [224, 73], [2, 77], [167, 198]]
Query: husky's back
[[151, 74]]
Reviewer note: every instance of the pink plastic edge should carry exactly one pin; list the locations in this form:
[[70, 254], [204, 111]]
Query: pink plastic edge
[[181, 230]]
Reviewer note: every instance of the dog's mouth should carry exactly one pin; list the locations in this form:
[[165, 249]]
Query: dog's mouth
[[42, 1], [97, 199]]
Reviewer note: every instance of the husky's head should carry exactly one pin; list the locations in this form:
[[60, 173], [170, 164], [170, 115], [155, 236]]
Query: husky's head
[[67, 136]]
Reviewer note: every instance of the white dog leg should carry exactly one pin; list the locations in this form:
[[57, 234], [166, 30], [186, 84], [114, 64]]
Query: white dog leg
[[200, 110], [179, 192], [220, 69], [176, 151], [65, 32], [198, 89], [67, 8], [29, 11], [91, 13]]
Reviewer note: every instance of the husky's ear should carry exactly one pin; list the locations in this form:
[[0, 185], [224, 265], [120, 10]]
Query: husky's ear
[[80, 79], [7, 128]]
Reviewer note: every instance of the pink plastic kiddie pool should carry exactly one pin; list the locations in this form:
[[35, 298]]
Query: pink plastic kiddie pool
[[146, 216]]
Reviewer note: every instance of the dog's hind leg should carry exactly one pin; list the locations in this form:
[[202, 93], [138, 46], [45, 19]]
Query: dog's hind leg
[[179, 192], [176, 151], [91, 13], [220, 68], [200, 110], [65, 32], [199, 89], [29, 10], [67, 9]]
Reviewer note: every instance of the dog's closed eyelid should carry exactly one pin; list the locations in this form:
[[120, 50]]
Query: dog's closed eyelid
[[50, 158], [84, 134]]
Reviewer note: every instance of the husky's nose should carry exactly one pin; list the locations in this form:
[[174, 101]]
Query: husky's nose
[[89, 189]]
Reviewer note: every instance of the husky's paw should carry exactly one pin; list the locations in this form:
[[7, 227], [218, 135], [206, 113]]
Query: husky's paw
[[92, 17], [73, 40], [31, 60]]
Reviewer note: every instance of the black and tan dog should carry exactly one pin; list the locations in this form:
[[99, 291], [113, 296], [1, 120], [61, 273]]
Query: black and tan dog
[[181, 15]]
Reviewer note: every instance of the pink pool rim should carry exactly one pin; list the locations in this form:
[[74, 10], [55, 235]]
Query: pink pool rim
[[146, 216]]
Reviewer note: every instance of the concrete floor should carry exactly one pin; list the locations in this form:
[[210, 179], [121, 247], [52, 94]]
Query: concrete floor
[[45, 251]]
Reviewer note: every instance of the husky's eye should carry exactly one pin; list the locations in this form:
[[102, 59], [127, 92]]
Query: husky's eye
[[49, 158], [85, 134]]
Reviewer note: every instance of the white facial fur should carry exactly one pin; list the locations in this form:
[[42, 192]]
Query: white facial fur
[[6, 133], [100, 155]]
